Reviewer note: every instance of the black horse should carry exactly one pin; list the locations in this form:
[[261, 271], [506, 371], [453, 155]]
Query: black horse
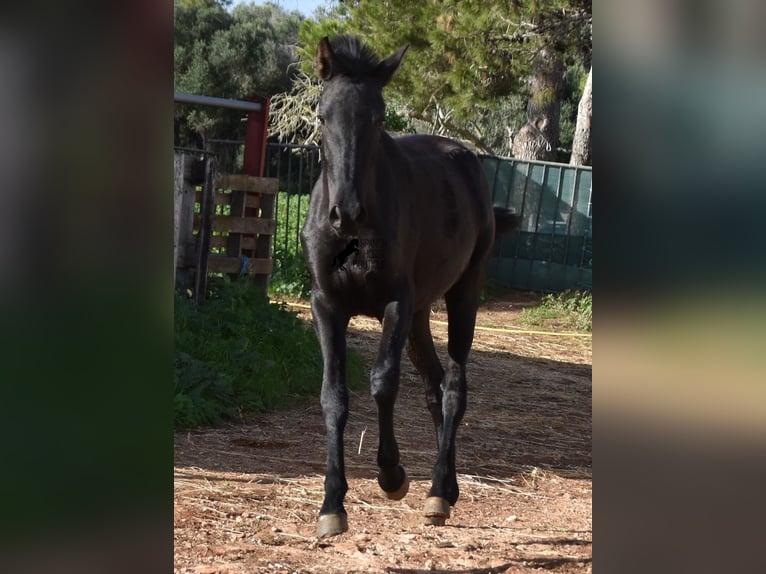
[[422, 212]]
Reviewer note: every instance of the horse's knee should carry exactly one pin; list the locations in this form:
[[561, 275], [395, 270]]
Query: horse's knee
[[454, 377], [334, 408], [434, 400], [454, 389], [434, 403], [384, 383]]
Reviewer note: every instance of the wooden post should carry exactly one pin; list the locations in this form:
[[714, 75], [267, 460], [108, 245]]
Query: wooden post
[[178, 193], [234, 240], [207, 210], [254, 164], [183, 217], [263, 243]]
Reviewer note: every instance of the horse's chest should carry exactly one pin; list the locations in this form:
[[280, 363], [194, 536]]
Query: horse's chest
[[355, 257], [359, 274], [371, 256]]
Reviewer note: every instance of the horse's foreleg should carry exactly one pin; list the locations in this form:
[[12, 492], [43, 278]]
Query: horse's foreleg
[[331, 331], [384, 385]]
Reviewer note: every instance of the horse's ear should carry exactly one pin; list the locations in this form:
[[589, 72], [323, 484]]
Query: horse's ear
[[387, 67], [324, 59]]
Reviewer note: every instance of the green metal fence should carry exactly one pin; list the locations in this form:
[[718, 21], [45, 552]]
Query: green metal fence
[[553, 249]]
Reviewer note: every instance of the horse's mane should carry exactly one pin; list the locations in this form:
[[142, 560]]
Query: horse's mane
[[352, 57]]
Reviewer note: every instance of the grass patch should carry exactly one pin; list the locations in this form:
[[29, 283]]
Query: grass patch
[[290, 276], [568, 310], [239, 353]]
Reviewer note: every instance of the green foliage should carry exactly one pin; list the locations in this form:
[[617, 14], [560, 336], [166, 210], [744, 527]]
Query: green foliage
[[569, 310], [330, 23], [202, 3], [573, 85], [544, 97], [396, 121], [459, 56], [238, 353], [464, 76], [567, 124], [290, 276], [293, 114], [237, 54], [466, 70]]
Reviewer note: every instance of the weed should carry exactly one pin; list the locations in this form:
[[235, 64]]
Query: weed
[[570, 309]]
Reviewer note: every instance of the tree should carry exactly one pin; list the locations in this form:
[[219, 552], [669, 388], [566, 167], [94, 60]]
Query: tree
[[471, 62], [539, 137], [237, 54], [456, 68], [479, 71], [581, 146], [556, 32], [328, 22], [293, 113]]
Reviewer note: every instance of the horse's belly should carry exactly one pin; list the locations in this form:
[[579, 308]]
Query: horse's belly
[[435, 274]]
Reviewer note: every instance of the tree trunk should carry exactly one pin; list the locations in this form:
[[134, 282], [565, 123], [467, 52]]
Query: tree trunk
[[581, 146], [539, 137]]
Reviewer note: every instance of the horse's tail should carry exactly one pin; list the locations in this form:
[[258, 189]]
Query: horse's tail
[[506, 221]]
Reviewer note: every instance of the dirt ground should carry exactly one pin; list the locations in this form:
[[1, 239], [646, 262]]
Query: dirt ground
[[247, 495]]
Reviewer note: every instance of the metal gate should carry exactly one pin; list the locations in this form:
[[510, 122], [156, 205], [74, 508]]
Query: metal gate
[[553, 249]]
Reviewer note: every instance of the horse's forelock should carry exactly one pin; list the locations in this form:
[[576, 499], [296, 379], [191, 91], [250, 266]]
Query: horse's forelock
[[353, 58]]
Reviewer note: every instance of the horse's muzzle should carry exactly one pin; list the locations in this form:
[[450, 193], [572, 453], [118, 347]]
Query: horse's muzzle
[[345, 222]]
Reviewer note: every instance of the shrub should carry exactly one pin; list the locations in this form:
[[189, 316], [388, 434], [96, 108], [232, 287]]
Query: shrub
[[239, 353], [570, 309]]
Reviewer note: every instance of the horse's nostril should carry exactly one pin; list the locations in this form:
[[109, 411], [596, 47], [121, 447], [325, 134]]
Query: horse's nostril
[[343, 221], [335, 215], [360, 214]]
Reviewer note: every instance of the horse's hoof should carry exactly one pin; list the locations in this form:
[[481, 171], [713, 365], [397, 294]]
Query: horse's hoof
[[332, 524], [437, 510], [400, 492]]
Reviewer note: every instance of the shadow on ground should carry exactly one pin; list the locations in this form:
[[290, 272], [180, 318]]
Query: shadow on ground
[[523, 413]]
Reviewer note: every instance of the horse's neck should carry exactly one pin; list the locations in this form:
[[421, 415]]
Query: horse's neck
[[385, 172], [391, 160], [390, 181], [388, 147]]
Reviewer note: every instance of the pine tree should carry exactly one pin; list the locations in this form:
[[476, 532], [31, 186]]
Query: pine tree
[[471, 64], [581, 146]]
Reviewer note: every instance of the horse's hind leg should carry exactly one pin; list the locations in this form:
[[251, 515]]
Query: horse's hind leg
[[462, 303], [423, 355], [384, 386]]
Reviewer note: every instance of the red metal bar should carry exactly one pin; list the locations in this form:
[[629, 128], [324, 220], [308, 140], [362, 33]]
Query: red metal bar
[[255, 152], [255, 139]]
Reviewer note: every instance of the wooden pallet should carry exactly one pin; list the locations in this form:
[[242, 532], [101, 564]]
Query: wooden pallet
[[208, 241]]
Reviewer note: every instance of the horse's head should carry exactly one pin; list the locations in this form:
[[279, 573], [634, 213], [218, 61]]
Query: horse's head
[[352, 111]]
